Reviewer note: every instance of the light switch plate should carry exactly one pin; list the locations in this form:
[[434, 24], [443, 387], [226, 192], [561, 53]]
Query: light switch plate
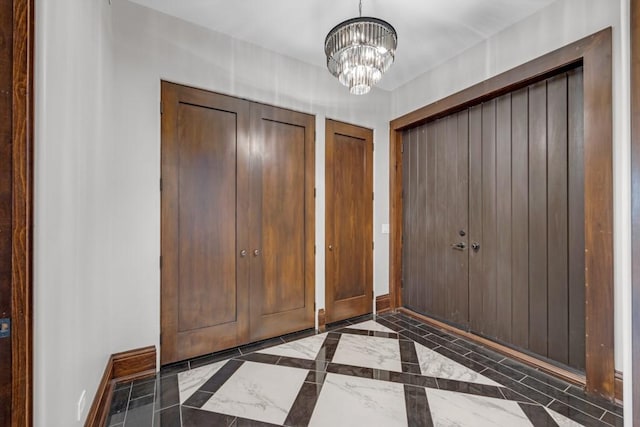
[[385, 228]]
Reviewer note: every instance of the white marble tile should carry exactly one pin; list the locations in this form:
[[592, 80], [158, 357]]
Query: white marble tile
[[371, 325], [369, 352], [561, 420], [434, 364], [450, 409], [305, 348], [259, 392], [352, 401], [190, 381]]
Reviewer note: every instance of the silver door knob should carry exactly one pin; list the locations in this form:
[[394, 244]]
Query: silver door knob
[[459, 246], [256, 252], [475, 246], [243, 253]]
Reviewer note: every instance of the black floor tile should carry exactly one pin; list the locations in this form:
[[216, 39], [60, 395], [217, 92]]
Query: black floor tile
[[412, 328], [214, 357], [169, 417], [174, 368], [469, 388], [531, 372], [197, 399], [575, 415], [299, 335], [260, 345], [140, 412], [568, 399], [302, 408], [316, 377], [518, 387], [513, 374], [119, 403], [360, 319], [219, 378], [120, 386], [167, 393], [613, 420], [417, 405], [599, 401], [143, 388], [538, 416], [270, 359], [198, 418], [243, 422]]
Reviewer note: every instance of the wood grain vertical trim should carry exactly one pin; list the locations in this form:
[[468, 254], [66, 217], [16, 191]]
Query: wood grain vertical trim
[[594, 53], [22, 282], [598, 210], [395, 208], [635, 207]]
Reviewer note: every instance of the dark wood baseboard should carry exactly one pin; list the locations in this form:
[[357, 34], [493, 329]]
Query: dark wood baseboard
[[544, 366], [322, 320], [125, 366], [618, 386], [383, 303]]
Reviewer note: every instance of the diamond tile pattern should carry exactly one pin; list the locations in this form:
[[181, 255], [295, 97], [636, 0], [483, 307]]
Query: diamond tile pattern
[[388, 370]]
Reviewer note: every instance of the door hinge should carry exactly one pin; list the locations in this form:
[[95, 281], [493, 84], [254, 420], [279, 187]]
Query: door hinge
[[373, 146], [373, 245], [373, 195], [161, 107], [314, 192], [5, 328], [160, 184], [160, 261], [314, 249], [402, 147], [314, 306], [402, 283]]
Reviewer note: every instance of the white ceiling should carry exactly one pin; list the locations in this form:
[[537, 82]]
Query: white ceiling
[[429, 31]]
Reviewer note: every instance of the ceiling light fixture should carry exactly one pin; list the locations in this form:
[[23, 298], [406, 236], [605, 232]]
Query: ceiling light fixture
[[359, 51]]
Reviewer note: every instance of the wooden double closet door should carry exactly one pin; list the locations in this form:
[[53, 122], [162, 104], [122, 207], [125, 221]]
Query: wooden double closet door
[[237, 188], [493, 219]]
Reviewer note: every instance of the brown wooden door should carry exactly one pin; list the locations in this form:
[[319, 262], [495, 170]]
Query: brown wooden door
[[526, 275], [349, 221], [281, 221], [6, 204], [436, 245], [205, 189], [527, 280]]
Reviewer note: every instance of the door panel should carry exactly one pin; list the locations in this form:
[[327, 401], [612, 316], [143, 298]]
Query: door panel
[[349, 219], [525, 209], [204, 305], [281, 223], [435, 269]]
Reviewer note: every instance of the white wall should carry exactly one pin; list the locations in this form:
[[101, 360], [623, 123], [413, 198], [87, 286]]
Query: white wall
[[97, 280], [75, 199], [560, 23]]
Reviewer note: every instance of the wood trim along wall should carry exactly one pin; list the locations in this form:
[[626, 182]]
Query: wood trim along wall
[[594, 54], [635, 209], [125, 366], [383, 303], [322, 320], [619, 386], [22, 140], [549, 368]]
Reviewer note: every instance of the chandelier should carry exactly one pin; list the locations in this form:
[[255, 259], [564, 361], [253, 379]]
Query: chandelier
[[359, 51]]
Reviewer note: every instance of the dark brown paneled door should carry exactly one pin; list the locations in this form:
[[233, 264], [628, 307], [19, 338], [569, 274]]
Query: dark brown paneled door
[[517, 274], [6, 197], [436, 240], [205, 238], [349, 221], [281, 221]]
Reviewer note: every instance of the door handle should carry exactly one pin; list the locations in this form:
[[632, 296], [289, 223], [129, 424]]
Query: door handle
[[256, 252], [330, 247], [243, 253], [459, 246], [475, 246]]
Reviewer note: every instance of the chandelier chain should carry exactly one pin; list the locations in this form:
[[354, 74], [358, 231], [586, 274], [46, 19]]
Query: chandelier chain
[[360, 8]]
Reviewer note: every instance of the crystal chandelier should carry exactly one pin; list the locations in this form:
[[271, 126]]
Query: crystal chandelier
[[359, 51]]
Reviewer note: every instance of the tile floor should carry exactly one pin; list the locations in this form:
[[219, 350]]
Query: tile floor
[[389, 370]]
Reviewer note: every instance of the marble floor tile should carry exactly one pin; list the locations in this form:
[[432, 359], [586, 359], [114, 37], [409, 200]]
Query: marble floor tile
[[369, 352], [190, 381], [350, 401], [305, 348], [450, 409], [258, 391], [433, 364], [370, 325], [561, 420]]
